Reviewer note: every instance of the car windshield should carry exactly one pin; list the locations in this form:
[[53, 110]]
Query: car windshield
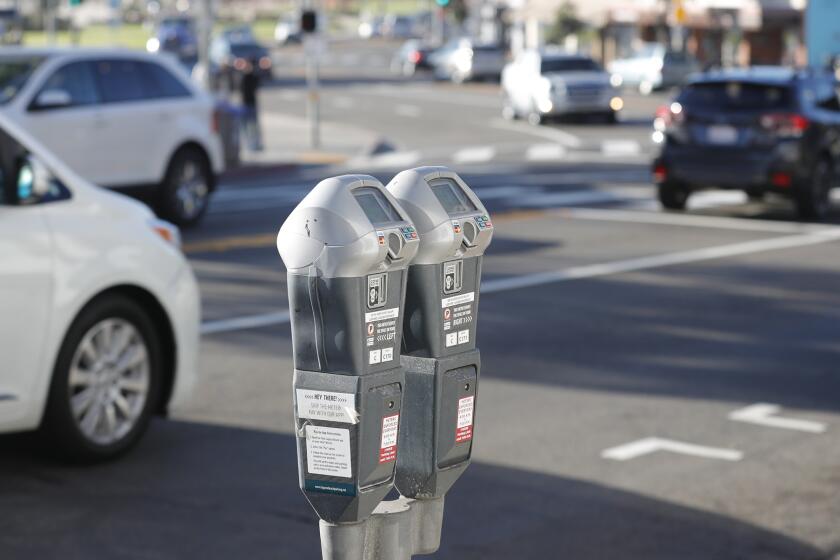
[[13, 75], [247, 50], [568, 65], [716, 96]]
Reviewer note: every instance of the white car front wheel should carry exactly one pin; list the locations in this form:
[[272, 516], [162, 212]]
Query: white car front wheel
[[105, 383]]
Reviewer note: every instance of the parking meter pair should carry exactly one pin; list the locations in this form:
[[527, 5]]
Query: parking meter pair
[[383, 291]]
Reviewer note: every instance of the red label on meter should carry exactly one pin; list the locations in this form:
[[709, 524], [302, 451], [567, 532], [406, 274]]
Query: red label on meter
[[388, 444], [464, 429]]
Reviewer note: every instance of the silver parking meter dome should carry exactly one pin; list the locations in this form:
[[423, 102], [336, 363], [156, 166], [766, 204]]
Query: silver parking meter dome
[[455, 230], [346, 247], [439, 352]]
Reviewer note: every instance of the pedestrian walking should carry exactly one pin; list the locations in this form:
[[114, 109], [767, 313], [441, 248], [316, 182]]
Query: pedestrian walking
[[248, 86]]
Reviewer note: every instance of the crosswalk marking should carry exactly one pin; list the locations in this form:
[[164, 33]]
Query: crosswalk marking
[[474, 155], [545, 152]]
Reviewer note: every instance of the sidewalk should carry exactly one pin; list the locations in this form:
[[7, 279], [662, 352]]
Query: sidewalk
[[286, 141]]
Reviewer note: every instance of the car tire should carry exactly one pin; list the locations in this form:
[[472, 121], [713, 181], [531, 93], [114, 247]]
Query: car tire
[[535, 118], [106, 382], [813, 199], [185, 191], [673, 196]]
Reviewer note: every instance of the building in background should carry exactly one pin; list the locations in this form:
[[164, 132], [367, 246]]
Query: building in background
[[716, 32]]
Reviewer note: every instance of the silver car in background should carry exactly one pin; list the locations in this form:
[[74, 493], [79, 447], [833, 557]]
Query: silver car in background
[[541, 84], [461, 60], [652, 67]]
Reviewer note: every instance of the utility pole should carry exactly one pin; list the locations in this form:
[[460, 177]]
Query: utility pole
[[311, 49]]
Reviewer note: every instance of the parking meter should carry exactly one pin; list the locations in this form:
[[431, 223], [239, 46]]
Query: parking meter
[[346, 247], [439, 355]]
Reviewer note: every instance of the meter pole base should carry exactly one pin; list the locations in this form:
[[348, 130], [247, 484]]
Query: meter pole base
[[397, 530]]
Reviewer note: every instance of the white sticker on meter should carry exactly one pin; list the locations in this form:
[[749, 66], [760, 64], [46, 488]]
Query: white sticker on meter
[[458, 300], [328, 451], [382, 314], [326, 405], [387, 354], [463, 336], [451, 339], [375, 357], [464, 429]]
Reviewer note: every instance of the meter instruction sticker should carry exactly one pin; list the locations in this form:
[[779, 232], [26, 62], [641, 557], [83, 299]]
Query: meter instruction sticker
[[328, 451], [457, 318], [327, 406], [388, 443], [464, 429]]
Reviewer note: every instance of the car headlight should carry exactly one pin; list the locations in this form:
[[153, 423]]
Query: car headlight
[[168, 232], [153, 44]]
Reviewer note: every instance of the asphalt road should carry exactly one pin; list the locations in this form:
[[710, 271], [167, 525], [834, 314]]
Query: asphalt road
[[624, 350]]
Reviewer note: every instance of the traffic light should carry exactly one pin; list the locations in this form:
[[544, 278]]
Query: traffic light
[[308, 21], [75, 2], [442, 3]]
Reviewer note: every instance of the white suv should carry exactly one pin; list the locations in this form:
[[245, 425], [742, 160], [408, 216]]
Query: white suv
[[122, 119], [99, 309]]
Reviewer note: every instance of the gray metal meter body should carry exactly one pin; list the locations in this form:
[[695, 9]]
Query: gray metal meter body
[[439, 328], [347, 247]]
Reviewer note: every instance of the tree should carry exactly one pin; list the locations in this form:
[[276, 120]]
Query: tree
[[565, 23]]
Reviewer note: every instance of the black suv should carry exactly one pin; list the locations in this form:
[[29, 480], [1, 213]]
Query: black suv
[[762, 129]]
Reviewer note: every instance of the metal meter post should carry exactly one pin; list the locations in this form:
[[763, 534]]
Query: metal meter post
[[346, 247], [439, 352]]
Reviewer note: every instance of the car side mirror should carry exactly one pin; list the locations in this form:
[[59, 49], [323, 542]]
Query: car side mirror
[[33, 181], [53, 99]]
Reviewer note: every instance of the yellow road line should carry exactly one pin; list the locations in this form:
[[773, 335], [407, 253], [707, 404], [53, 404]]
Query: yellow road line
[[261, 240]]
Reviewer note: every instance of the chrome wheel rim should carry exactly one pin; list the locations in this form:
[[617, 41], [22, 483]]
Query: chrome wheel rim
[[191, 190], [109, 381]]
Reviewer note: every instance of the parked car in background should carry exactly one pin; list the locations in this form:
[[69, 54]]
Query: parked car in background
[[541, 84], [122, 119], [461, 59], [398, 26], [288, 30], [232, 51], [371, 26], [11, 27], [99, 310], [652, 67], [177, 36], [759, 130], [412, 56]]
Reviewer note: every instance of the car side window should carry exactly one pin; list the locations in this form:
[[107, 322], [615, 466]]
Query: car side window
[[825, 94], [160, 83], [76, 80], [120, 81]]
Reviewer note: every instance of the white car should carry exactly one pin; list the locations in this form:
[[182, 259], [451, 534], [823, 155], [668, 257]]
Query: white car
[[542, 84], [99, 309], [652, 67], [128, 120]]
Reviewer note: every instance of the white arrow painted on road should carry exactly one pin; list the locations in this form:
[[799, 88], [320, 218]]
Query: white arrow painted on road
[[764, 414], [653, 444]]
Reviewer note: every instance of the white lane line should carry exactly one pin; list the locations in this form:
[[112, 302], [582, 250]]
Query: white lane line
[[620, 148], [711, 199], [660, 218], [411, 111], [478, 154], [246, 322], [764, 414], [342, 102], [659, 261], [545, 152], [649, 445], [289, 95], [555, 134], [581, 272]]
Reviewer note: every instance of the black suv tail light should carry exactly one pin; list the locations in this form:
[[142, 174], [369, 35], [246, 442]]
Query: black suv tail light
[[785, 125]]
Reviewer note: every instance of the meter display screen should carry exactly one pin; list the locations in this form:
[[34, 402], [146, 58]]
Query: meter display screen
[[451, 196], [375, 206]]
